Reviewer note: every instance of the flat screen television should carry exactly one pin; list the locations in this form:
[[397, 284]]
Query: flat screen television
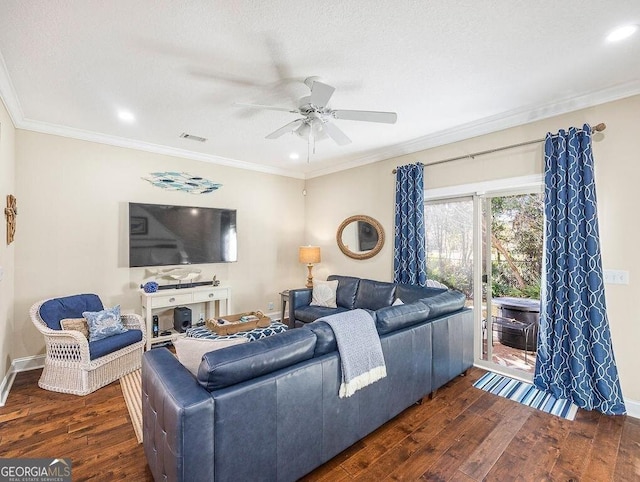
[[162, 235]]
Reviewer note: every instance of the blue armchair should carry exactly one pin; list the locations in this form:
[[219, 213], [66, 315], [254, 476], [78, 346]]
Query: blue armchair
[[75, 365]]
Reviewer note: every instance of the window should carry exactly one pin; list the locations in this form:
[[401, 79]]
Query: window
[[449, 243]]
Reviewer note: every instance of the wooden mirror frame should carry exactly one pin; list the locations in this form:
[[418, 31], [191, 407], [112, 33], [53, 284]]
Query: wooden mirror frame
[[367, 254]]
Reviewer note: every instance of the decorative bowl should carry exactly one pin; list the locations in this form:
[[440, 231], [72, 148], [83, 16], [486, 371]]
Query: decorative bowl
[[150, 287]]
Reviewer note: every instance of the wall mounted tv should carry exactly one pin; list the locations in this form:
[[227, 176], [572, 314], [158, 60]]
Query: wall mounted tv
[[161, 235]]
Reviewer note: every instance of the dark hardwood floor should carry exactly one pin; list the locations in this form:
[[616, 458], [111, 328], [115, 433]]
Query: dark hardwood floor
[[94, 431], [463, 434]]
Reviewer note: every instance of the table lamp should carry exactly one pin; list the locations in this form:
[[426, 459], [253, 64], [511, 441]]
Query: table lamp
[[309, 255]]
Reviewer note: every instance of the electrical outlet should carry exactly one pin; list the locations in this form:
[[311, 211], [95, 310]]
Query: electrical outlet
[[270, 306], [616, 277]]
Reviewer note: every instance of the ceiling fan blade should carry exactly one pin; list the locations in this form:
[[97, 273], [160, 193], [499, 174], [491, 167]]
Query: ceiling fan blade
[[267, 107], [321, 93], [291, 126], [366, 115], [336, 134]]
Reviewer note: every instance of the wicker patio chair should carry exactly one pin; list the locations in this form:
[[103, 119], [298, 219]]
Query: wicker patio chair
[[73, 364]]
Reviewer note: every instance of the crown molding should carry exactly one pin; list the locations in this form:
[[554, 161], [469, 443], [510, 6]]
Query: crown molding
[[8, 94], [91, 136], [489, 125]]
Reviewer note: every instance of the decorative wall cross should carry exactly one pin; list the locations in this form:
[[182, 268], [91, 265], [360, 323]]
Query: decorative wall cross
[[10, 212]]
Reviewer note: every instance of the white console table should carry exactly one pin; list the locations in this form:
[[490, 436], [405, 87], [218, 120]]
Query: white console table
[[163, 299]]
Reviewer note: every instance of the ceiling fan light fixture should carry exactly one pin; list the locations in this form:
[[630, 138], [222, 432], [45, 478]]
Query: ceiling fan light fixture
[[303, 130], [314, 127]]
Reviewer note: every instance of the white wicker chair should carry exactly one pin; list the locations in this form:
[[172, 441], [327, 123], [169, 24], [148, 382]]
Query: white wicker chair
[[68, 367]]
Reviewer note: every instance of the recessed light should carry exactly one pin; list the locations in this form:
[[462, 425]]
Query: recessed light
[[622, 33], [294, 155], [126, 116]]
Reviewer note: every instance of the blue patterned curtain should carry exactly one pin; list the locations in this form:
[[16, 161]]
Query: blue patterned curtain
[[575, 357], [409, 263]]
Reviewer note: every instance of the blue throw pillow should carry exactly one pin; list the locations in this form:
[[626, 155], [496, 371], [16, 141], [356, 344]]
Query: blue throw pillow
[[105, 323]]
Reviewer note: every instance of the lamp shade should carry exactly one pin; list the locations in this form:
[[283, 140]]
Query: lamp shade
[[309, 254]]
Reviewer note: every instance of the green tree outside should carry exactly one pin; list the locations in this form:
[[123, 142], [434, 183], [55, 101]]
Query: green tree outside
[[516, 256]]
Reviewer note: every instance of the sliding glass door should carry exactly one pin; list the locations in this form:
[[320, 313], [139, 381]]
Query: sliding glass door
[[489, 246], [512, 230]]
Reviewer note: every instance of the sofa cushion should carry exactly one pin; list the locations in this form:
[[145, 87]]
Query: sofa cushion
[[239, 363], [444, 303], [325, 339], [113, 343], [394, 318], [372, 313], [52, 311], [347, 289], [309, 313], [190, 350], [324, 293], [374, 295], [411, 293]]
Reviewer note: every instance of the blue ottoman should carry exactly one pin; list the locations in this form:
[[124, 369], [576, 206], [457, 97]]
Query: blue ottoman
[[251, 335]]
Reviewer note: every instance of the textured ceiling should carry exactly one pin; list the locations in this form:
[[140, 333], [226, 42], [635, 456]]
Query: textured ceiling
[[449, 69]]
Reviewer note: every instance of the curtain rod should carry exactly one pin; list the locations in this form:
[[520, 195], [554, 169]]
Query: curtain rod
[[597, 128]]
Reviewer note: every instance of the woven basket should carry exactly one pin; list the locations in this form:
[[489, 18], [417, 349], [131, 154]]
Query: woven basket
[[233, 324]]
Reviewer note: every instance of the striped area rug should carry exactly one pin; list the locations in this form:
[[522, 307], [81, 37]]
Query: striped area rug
[[526, 394], [131, 385]]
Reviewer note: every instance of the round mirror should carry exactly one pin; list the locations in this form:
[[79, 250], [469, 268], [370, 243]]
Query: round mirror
[[360, 237]]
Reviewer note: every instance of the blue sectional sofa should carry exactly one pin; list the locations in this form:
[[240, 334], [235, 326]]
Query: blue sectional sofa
[[270, 410]]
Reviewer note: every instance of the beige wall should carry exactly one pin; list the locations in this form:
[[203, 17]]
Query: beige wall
[[7, 186], [72, 195], [72, 237], [370, 190]]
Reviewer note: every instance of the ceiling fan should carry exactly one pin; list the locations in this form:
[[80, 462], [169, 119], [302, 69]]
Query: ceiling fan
[[316, 120]]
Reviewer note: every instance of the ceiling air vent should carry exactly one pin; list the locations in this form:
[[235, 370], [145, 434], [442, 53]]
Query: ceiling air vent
[[191, 137]]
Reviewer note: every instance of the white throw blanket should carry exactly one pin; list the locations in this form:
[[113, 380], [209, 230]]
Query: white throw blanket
[[361, 357]]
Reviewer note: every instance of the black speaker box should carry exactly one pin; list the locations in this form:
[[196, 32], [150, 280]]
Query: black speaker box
[[181, 318]]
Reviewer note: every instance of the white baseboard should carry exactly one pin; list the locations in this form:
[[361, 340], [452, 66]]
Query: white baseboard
[[274, 315], [633, 408], [18, 365], [28, 363], [6, 385]]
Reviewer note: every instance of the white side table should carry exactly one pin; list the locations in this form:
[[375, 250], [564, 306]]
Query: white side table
[[163, 299]]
